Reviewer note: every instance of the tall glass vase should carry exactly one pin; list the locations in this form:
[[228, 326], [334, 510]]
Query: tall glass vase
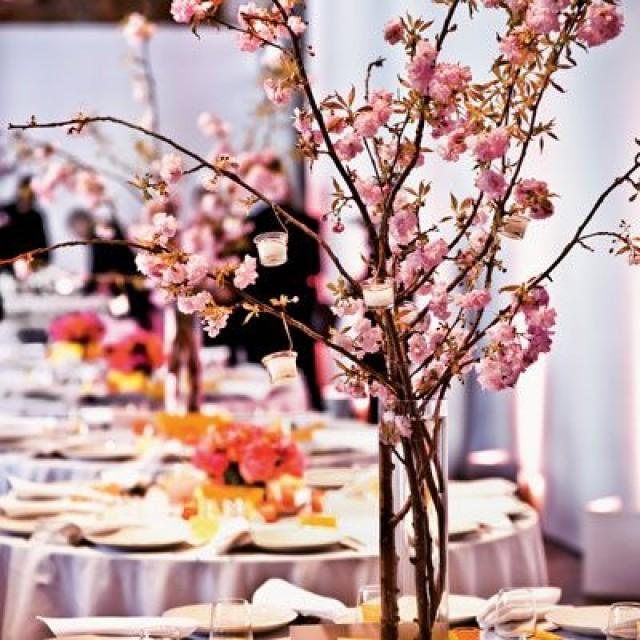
[[414, 529], [183, 386]]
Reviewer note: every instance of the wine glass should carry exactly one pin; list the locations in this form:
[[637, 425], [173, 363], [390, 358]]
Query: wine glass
[[370, 603], [624, 620], [231, 620], [516, 613]]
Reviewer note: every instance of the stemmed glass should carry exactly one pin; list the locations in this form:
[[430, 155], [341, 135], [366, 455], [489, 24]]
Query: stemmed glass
[[231, 620], [516, 613], [624, 620], [370, 603]]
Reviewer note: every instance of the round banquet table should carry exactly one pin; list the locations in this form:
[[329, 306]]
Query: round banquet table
[[79, 581]]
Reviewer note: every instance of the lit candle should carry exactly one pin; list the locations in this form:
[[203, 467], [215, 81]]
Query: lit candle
[[378, 294], [272, 248], [281, 366], [515, 227]]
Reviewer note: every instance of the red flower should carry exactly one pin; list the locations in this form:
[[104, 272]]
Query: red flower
[[259, 463], [214, 463], [81, 328], [139, 351]]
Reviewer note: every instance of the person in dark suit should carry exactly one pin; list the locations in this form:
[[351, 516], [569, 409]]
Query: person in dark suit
[[22, 226], [110, 261], [296, 278]]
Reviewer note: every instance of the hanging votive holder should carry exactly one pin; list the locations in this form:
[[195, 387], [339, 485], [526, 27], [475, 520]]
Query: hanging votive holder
[[514, 227], [272, 248], [378, 294], [281, 367]]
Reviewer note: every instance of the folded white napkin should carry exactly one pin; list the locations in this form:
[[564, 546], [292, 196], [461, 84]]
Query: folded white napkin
[[14, 508], [545, 599], [112, 626], [230, 533], [28, 490], [277, 592]]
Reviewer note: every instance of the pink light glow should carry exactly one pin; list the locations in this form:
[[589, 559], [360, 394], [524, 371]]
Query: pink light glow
[[530, 401], [609, 504], [489, 457], [633, 430]]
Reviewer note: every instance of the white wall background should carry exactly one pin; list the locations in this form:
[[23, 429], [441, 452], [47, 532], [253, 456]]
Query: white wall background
[[56, 71], [574, 417]]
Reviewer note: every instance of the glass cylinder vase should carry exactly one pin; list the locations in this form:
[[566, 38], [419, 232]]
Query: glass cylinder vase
[[417, 528], [183, 384]]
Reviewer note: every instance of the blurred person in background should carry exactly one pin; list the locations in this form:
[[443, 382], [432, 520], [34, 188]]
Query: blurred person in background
[[22, 226], [296, 278], [113, 269]]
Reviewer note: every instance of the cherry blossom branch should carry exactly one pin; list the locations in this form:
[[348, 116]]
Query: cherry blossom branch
[[201, 164], [319, 118], [577, 236]]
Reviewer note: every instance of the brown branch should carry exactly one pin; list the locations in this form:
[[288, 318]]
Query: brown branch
[[202, 163]]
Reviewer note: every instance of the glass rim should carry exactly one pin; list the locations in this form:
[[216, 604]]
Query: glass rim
[[281, 236], [376, 283], [279, 354]]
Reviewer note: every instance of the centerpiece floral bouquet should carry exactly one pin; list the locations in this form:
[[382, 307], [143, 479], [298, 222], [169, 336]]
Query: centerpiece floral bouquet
[[133, 359], [77, 334], [243, 454]]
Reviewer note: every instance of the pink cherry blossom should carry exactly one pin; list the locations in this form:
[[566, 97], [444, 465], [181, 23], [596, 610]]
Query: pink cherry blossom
[[272, 184], [196, 268], [246, 274], [349, 147], [367, 337], [187, 10], [419, 349], [519, 47], [422, 67], [603, 22], [381, 103], [542, 18], [491, 145], [163, 227], [439, 303], [297, 25], [90, 187], [492, 183], [370, 191], [278, 92], [194, 303], [366, 124], [448, 80], [403, 225], [171, 167], [214, 324], [394, 31], [474, 300], [534, 197]]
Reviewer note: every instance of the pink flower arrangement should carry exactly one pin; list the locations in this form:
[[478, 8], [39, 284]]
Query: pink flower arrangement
[[247, 454], [83, 328], [140, 351]]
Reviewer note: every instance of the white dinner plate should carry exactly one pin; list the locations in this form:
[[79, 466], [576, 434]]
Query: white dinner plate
[[264, 618], [461, 608], [588, 621], [101, 451], [328, 478], [284, 538], [144, 538], [18, 526]]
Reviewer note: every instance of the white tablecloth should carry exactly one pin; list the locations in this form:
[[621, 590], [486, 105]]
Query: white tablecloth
[[70, 581]]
